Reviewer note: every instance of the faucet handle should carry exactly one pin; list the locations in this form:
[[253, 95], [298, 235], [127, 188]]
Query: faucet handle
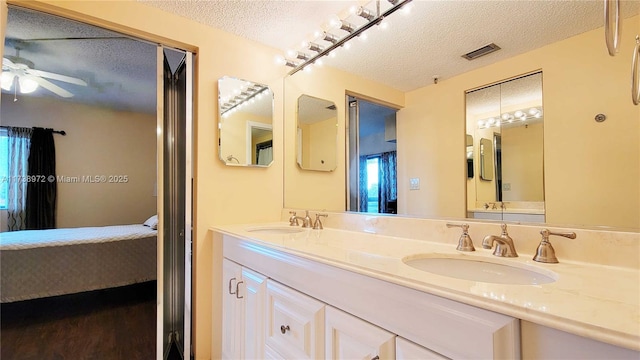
[[545, 252], [317, 225], [293, 220], [464, 243]]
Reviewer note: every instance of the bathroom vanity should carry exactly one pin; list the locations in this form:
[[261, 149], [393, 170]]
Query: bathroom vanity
[[294, 293]]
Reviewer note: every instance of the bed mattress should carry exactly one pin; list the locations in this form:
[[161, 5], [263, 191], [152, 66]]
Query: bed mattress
[[42, 263]]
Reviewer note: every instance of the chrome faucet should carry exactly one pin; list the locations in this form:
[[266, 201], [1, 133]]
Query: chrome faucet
[[464, 243], [504, 244], [306, 220], [545, 252]]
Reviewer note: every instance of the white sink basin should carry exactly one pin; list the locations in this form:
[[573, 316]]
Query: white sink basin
[[481, 270], [276, 230]]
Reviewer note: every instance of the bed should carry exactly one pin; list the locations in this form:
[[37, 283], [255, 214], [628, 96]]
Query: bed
[[42, 263]]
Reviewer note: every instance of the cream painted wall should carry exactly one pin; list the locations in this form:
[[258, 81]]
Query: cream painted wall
[[233, 140], [222, 194], [99, 141], [592, 170], [329, 188]]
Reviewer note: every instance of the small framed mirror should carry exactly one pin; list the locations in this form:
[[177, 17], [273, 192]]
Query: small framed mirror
[[317, 134], [245, 123]]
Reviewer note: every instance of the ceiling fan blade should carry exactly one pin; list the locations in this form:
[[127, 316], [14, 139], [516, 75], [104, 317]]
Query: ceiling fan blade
[[8, 63], [50, 75], [51, 87]]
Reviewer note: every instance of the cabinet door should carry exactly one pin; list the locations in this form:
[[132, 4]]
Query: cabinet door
[[253, 292], [407, 350], [232, 321], [349, 337], [295, 323]]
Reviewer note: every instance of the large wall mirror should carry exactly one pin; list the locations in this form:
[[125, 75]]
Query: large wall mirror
[[591, 170], [245, 123], [316, 134], [508, 119]]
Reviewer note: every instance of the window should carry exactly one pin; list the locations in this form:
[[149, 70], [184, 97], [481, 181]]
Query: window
[[373, 196], [4, 169]]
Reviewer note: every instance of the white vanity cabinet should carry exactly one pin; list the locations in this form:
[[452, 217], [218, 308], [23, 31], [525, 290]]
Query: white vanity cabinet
[[407, 350], [315, 311], [348, 337], [294, 324], [243, 301]]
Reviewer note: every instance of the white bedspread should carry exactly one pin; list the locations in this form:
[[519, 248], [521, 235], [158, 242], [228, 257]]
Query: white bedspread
[[28, 239], [42, 263]]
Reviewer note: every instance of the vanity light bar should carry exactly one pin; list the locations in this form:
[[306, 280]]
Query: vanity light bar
[[336, 43]]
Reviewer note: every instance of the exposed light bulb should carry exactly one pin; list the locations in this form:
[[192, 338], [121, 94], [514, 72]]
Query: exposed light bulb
[[27, 85], [480, 123], [505, 116], [518, 114], [292, 53], [7, 80], [406, 9], [533, 111], [347, 46], [491, 121], [384, 24], [538, 115]]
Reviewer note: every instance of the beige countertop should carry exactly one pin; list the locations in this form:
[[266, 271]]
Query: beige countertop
[[595, 301]]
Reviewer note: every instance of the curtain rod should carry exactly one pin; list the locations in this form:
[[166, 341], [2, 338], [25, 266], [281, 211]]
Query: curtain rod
[[61, 132]]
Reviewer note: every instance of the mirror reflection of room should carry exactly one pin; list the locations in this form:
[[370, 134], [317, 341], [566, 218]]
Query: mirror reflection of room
[[508, 119], [245, 123], [373, 184], [316, 134]]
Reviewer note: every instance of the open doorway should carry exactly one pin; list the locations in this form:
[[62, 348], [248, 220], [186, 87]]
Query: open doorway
[[98, 92], [372, 157]]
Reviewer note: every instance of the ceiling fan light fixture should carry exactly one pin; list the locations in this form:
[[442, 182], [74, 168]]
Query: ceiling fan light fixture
[[6, 81], [27, 85]]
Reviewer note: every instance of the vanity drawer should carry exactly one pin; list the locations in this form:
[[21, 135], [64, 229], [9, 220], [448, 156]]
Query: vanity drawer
[[349, 337], [295, 323]]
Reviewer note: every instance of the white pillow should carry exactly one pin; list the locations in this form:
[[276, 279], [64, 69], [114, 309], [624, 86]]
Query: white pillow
[[152, 222]]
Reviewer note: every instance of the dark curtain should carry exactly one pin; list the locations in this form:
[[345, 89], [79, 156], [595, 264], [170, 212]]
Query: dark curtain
[[363, 195], [388, 182], [41, 188]]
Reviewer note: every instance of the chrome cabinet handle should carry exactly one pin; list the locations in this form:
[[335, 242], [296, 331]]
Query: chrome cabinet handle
[[284, 329], [635, 73], [238, 290], [612, 40], [230, 290]]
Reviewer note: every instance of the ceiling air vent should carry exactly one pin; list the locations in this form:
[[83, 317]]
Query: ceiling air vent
[[487, 49], [331, 107]]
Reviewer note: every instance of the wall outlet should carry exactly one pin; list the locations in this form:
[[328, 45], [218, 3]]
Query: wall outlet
[[506, 186], [414, 184]]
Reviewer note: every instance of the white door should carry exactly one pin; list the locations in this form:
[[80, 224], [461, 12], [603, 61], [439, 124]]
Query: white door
[[349, 337]]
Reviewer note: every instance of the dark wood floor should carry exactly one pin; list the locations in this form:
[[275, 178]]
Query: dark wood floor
[[105, 324]]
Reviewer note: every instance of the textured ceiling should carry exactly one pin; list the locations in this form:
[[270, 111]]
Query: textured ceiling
[[407, 55]]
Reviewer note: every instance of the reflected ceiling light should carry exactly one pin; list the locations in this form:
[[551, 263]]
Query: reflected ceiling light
[[327, 35], [508, 118], [243, 97]]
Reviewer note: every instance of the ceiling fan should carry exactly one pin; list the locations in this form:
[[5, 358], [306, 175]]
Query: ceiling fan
[[19, 73]]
